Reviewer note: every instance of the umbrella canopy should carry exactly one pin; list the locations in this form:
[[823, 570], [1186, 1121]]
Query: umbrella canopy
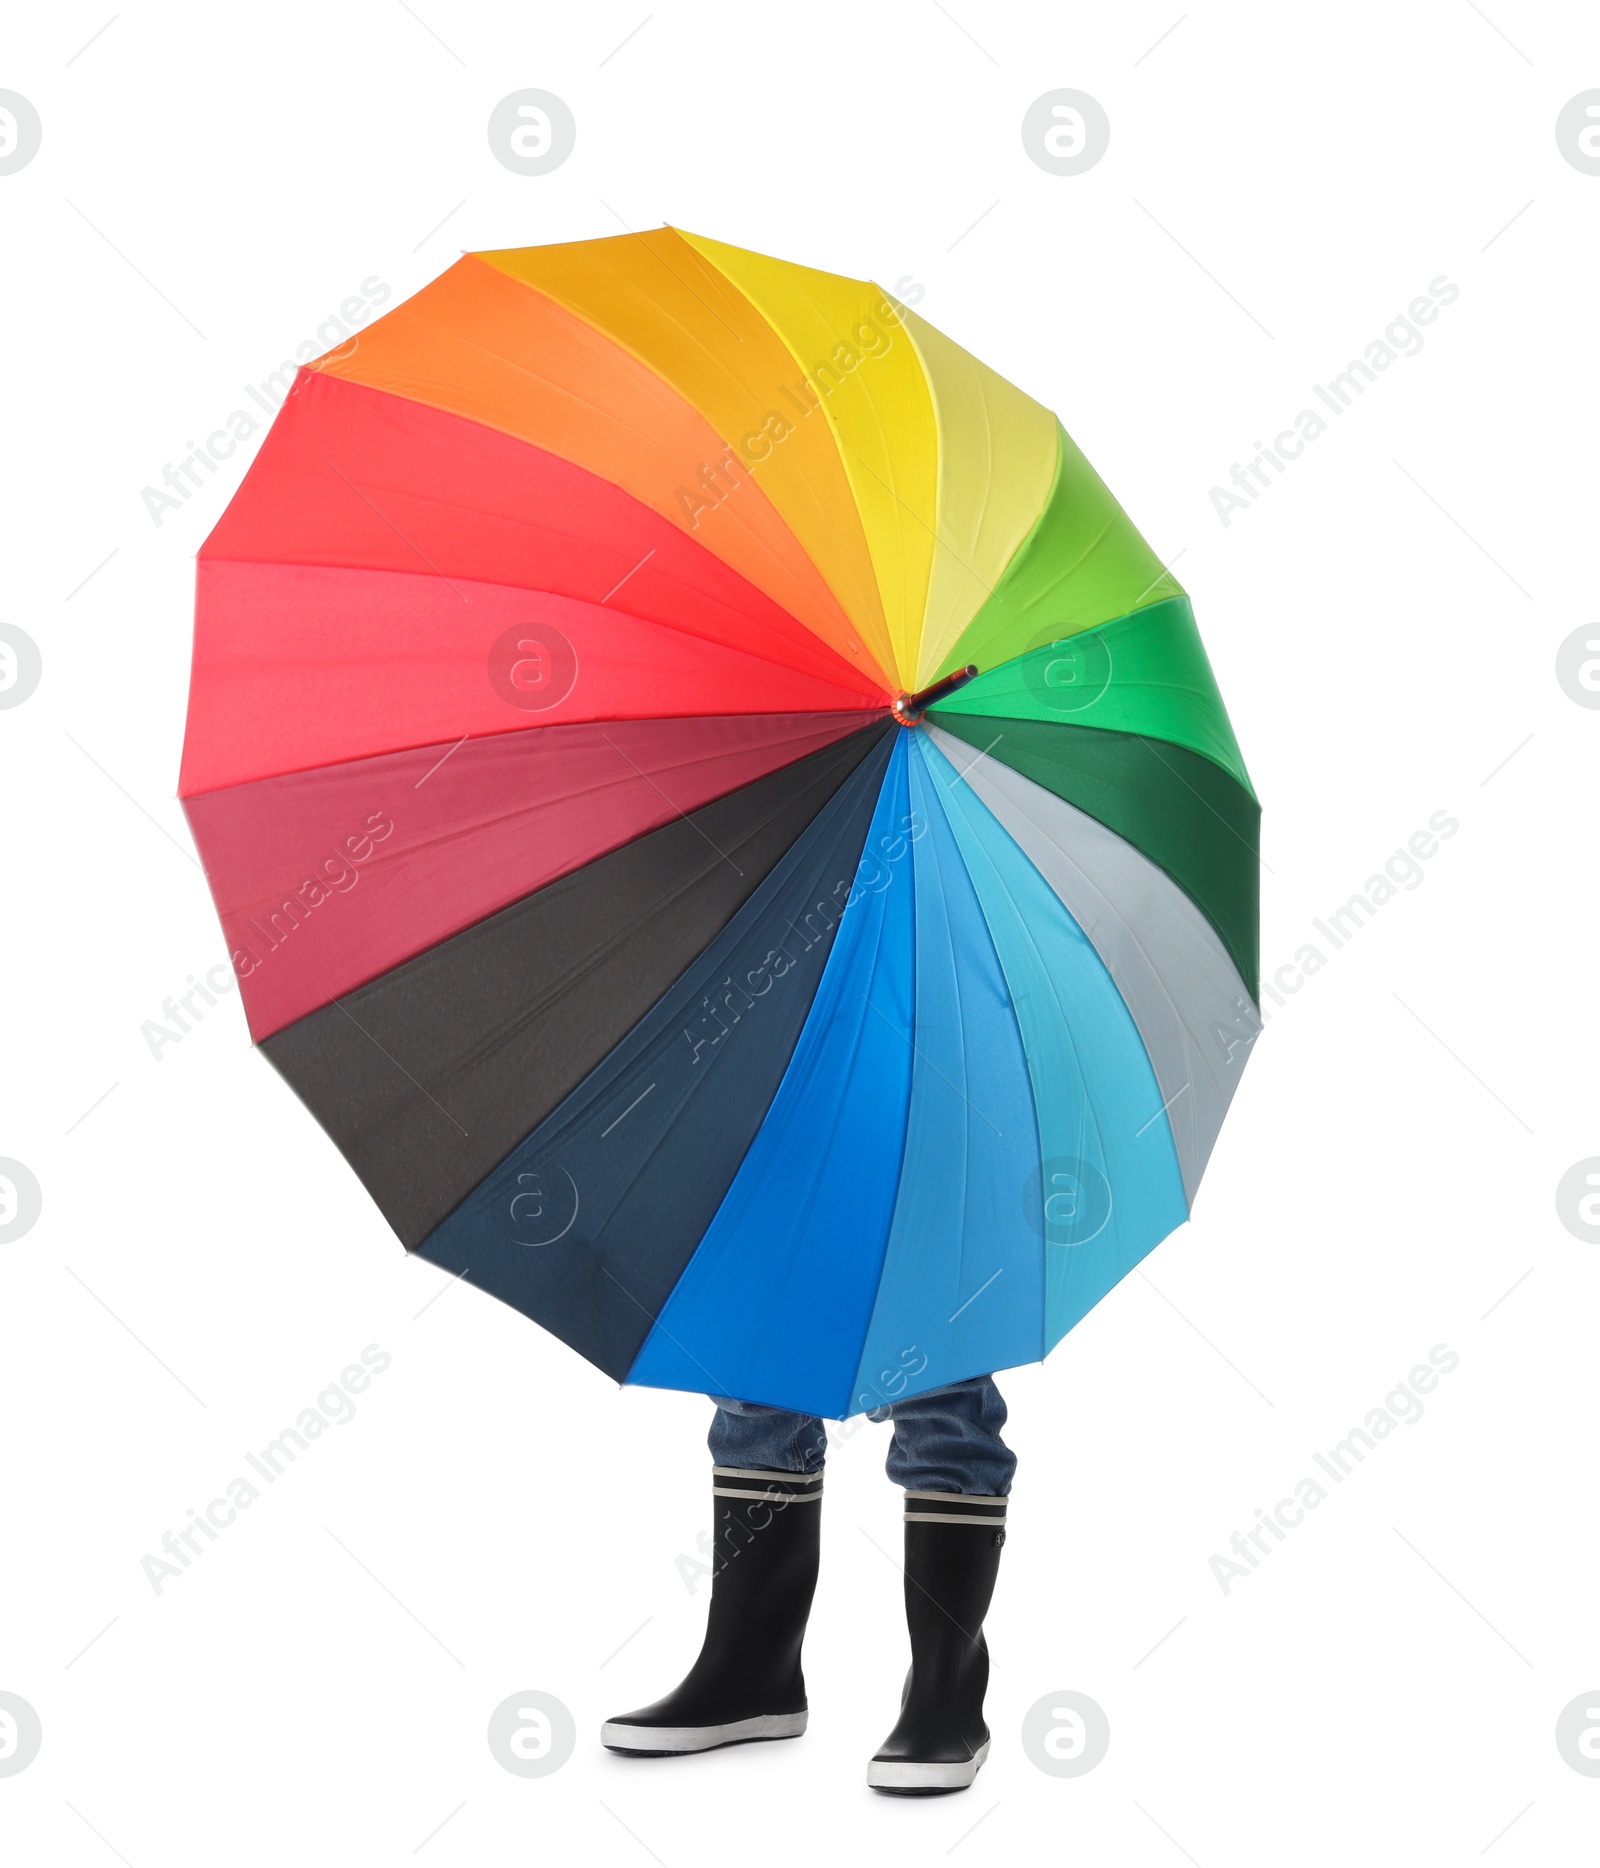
[[601, 872]]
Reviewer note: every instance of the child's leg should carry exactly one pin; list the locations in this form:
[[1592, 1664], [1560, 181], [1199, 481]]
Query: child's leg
[[766, 1484], [746, 1434], [948, 1454], [949, 1440]]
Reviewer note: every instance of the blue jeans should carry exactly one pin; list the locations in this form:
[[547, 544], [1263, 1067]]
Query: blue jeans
[[947, 1440]]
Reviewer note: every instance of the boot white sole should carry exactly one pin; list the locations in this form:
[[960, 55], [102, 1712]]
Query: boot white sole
[[893, 1774], [675, 1739]]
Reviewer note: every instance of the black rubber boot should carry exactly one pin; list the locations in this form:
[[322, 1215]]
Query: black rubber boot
[[747, 1682], [953, 1542]]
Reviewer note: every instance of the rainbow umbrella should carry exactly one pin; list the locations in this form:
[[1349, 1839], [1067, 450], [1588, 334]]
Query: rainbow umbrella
[[723, 820]]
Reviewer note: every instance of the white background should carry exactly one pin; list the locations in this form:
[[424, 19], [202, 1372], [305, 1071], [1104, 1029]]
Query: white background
[[1384, 622]]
